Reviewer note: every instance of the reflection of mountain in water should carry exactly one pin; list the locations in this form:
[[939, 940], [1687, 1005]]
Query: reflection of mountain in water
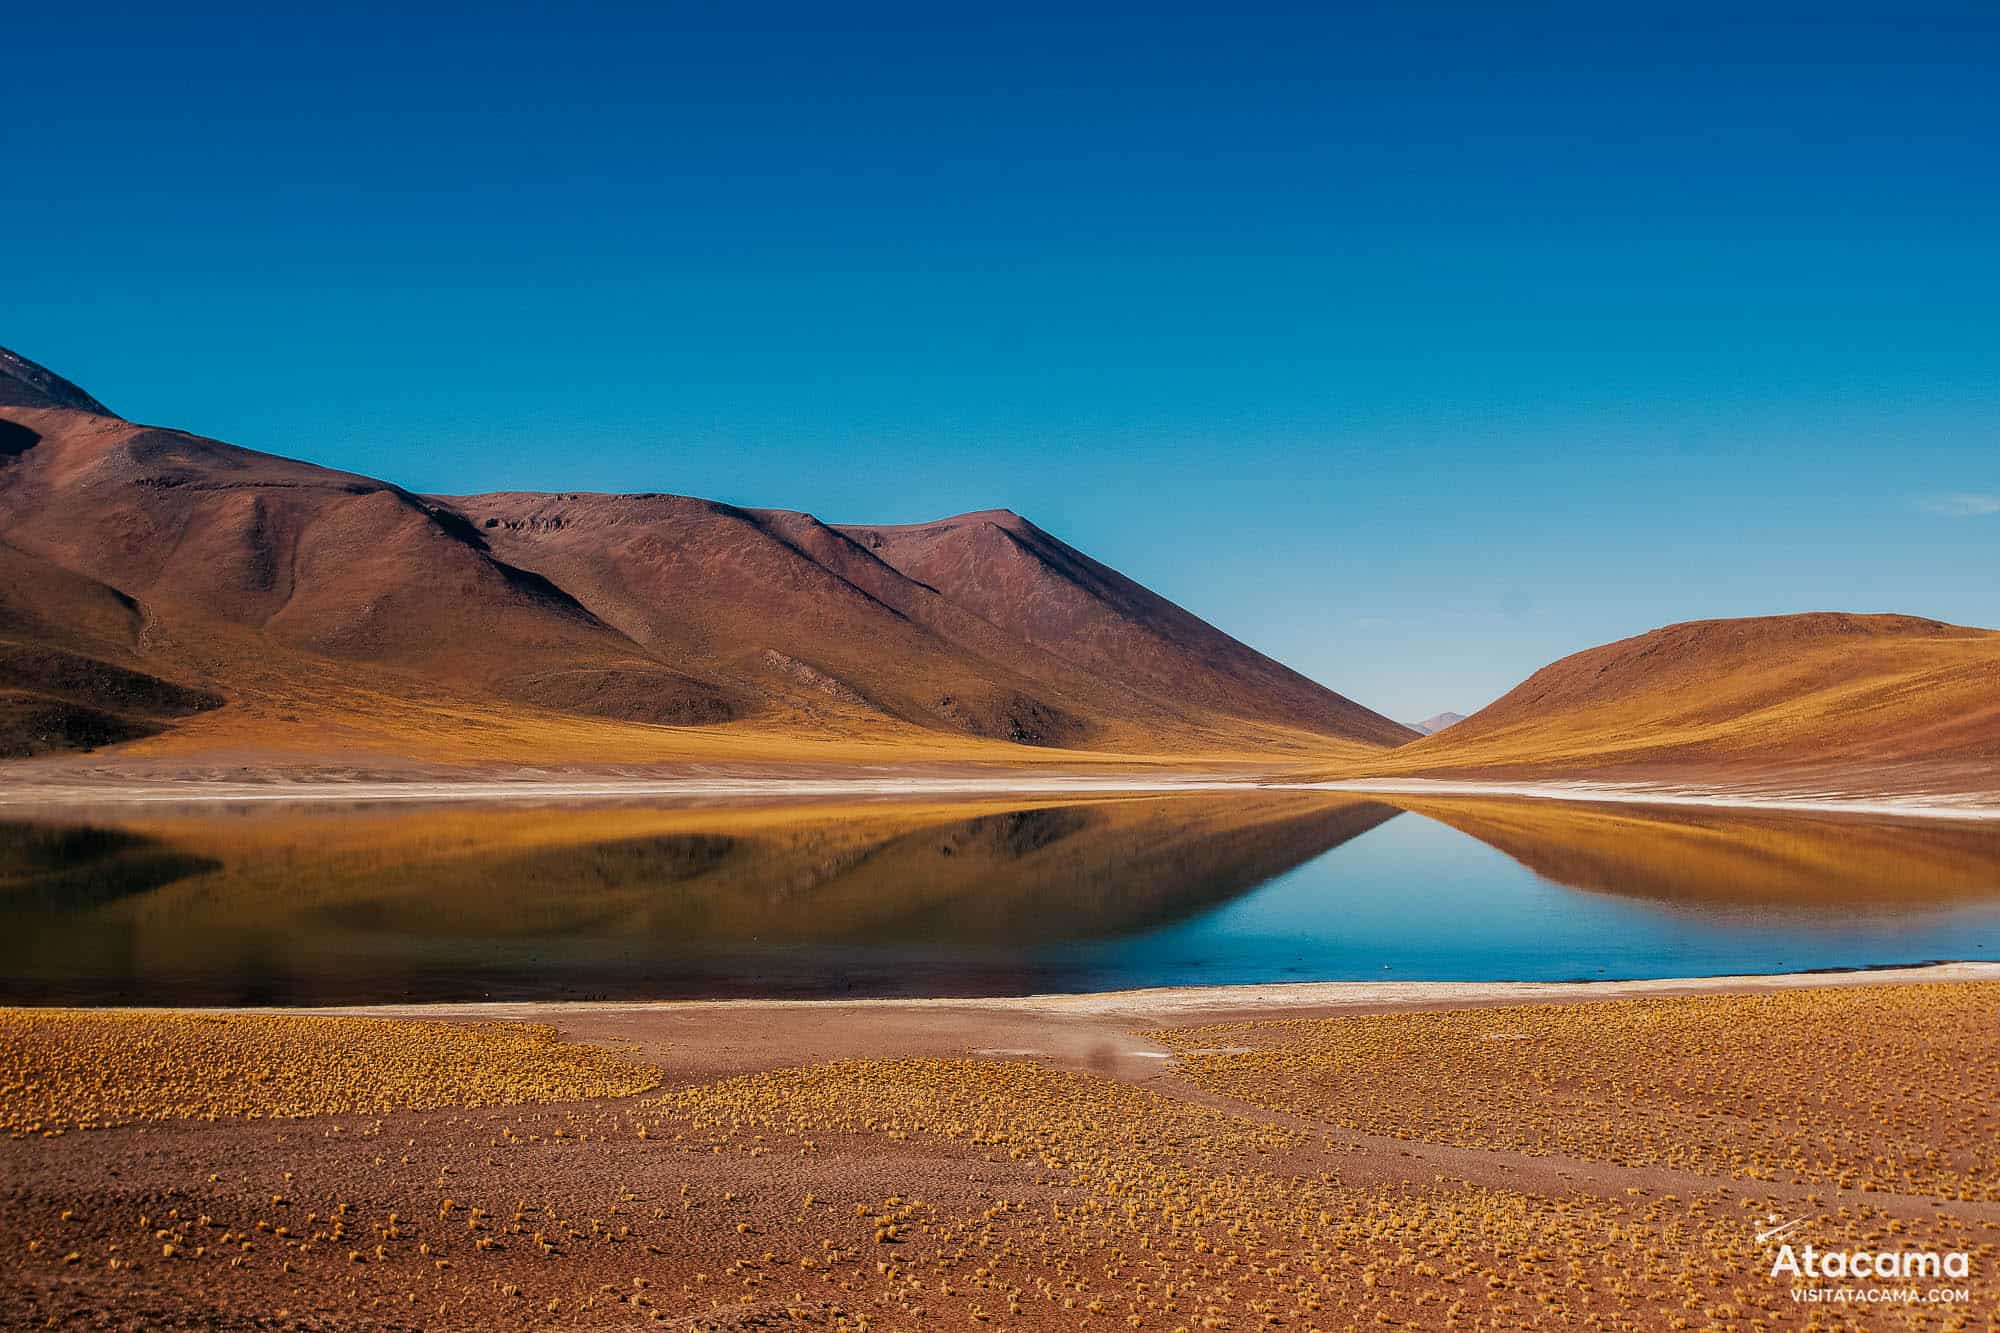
[[75, 867], [1066, 873], [1039, 875], [602, 897], [319, 904], [555, 891], [1789, 864]]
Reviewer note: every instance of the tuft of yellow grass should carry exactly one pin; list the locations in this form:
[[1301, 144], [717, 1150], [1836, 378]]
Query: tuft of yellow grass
[[63, 1069]]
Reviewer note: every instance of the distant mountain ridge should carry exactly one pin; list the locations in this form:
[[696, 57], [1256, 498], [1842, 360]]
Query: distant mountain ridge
[[1435, 723], [270, 583]]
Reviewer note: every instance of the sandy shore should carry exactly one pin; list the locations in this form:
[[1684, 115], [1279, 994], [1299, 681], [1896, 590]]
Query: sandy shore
[[1095, 1032], [1178, 1003], [859, 784]]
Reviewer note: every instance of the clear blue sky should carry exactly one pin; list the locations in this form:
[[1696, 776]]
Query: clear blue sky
[[1417, 345]]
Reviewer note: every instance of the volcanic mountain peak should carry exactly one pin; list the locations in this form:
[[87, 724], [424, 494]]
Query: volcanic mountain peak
[[1435, 723], [26, 384], [1039, 588], [1006, 519], [268, 577]]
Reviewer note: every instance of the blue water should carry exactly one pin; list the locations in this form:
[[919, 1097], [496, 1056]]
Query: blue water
[[255, 906], [1415, 900]]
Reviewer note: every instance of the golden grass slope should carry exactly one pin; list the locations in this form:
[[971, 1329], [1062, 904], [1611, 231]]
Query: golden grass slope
[[1893, 698]]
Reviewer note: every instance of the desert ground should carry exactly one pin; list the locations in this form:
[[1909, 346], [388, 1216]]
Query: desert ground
[[1332, 1156]]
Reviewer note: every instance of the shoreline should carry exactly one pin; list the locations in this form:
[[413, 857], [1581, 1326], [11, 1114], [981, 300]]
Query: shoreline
[[620, 789], [1143, 1004], [1957, 806], [1585, 791]]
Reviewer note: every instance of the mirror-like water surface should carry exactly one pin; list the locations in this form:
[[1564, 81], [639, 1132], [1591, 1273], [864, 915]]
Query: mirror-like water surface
[[332, 904]]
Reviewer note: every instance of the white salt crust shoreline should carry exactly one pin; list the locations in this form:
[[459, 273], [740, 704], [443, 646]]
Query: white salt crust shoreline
[[1146, 1003], [1954, 806]]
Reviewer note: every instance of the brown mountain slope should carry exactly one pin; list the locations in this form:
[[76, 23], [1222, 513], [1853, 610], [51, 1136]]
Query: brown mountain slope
[[756, 598], [70, 674], [1887, 698], [25, 384], [1009, 572], [334, 609], [300, 559], [785, 606]]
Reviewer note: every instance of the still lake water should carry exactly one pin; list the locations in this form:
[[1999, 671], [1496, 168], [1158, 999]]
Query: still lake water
[[263, 904]]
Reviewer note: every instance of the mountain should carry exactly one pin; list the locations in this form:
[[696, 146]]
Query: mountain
[[1103, 626], [1435, 723], [25, 384], [253, 601], [70, 677], [1891, 699]]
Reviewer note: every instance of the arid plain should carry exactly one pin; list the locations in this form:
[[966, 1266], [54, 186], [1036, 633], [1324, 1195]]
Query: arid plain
[[1162, 1161]]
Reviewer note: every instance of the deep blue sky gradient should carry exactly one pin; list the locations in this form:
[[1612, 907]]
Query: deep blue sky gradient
[[1417, 345]]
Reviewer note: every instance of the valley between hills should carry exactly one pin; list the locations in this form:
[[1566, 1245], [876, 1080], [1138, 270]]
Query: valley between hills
[[175, 608]]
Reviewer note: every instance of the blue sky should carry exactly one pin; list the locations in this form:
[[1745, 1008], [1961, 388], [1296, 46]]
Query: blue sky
[[1417, 345]]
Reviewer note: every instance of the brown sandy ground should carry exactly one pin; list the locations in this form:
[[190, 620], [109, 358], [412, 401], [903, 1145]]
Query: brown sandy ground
[[1597, 1163]]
